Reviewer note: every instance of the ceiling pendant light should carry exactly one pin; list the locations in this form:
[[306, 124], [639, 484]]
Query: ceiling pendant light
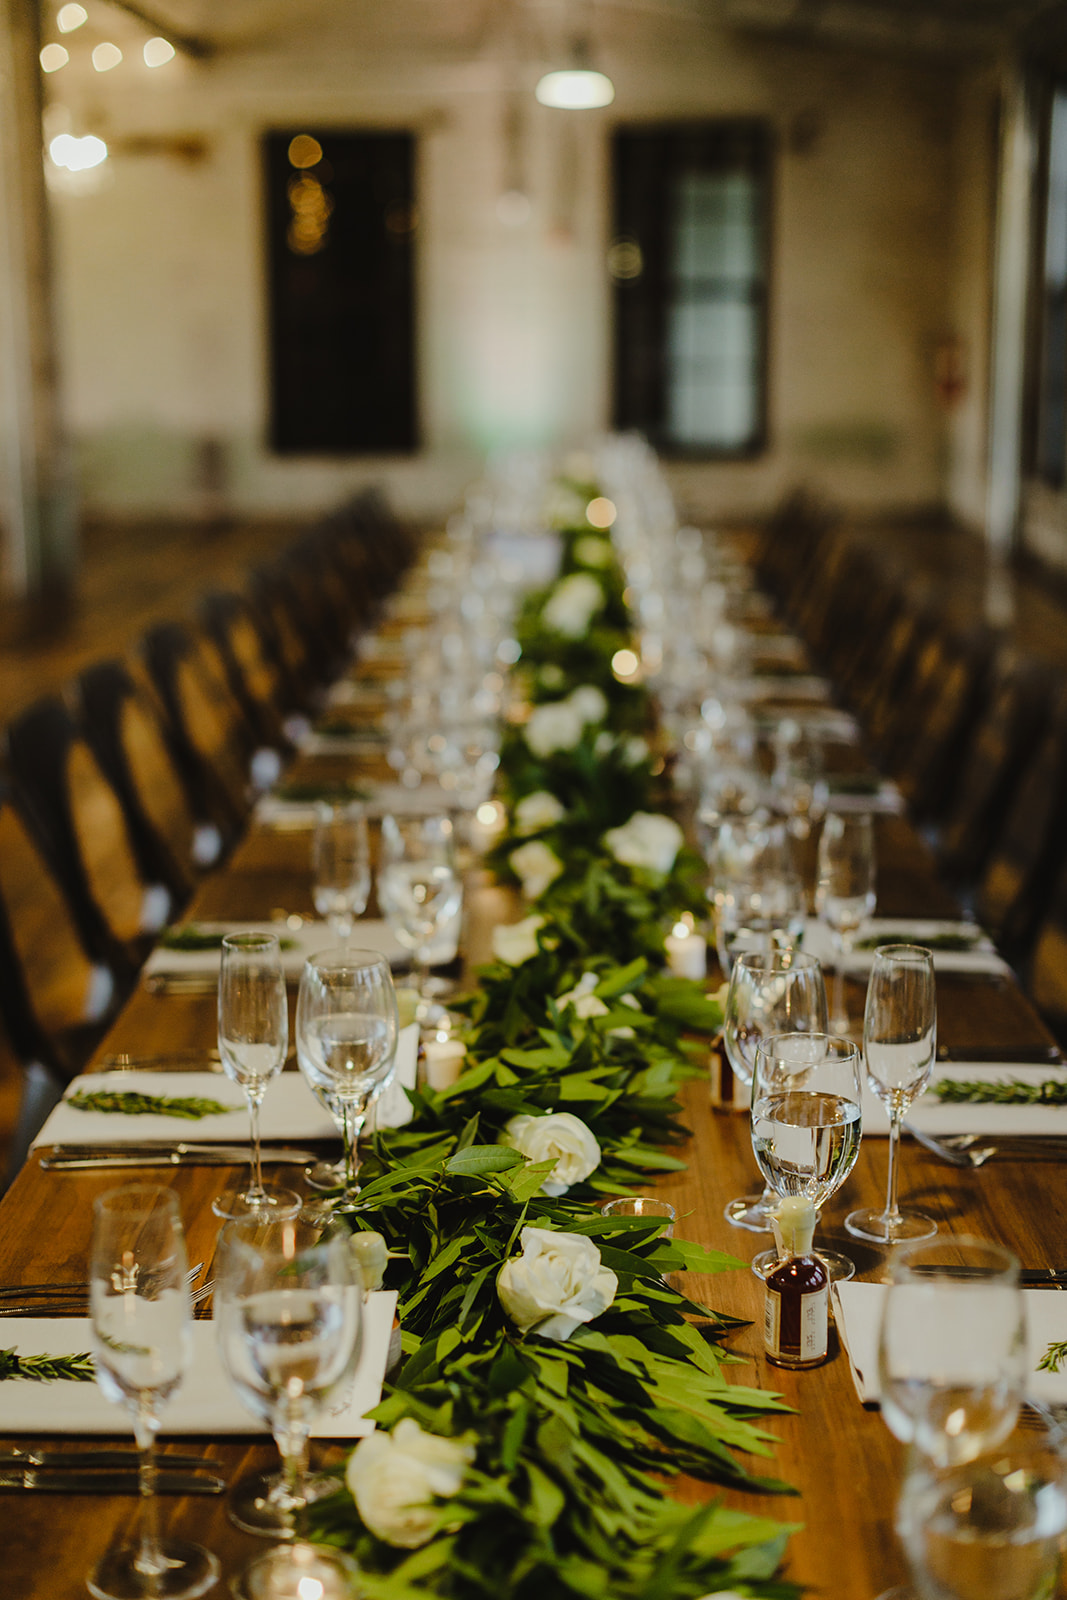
[[577, 87]]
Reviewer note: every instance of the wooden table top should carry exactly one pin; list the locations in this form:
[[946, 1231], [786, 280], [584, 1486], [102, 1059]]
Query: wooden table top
[[840, 1458]]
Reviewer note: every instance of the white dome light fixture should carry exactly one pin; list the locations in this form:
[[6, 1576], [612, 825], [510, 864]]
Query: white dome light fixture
[[576, 87]]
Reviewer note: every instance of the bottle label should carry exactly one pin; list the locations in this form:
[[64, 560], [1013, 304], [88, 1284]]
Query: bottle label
[[772, 1321], [814, 1325]]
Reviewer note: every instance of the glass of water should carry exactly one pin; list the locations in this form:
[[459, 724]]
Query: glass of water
[[419, 890], [844, 892], [806, 1123]]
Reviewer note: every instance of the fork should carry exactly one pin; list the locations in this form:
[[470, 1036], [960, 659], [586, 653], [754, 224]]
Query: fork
[[951, 1150]]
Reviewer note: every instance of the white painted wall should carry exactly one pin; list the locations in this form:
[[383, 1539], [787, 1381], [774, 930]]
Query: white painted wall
[[878, 247]]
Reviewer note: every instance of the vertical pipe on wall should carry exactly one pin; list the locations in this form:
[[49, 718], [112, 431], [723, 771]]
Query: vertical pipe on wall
[[37, 522]]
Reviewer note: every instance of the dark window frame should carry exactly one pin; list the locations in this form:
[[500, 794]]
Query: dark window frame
[[645, 158], [342, 328]]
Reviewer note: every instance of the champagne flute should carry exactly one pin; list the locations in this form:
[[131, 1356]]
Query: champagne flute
[[253, 1041], [347, 1027], [899, 1043], [758, 893], [340, 864], [288, 1313], [844, 892], [781, 991], [140, 1311], [419, 889], [806, 1123]]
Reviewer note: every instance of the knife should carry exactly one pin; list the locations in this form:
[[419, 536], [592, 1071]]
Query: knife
[[72, 1158], [88, 1482], [92, 1460]]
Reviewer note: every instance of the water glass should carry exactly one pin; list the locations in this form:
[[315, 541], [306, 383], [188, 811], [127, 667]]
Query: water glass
[[899, 1045], [340, 865], [952, 1349], [806, 1123], [419, 889], [253, 1033], [140, 1311], [781, 991]]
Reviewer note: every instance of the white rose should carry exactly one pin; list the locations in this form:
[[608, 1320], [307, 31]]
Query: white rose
[[536, 865], [603, 744], [556, 1284], [537, 811], [592, 551], [516, 942], [635, 751], [586, 1004], [551, 676], [370, 1255], [564, 507], [648, 841], [589, 702], [555, 726], [394, 1477], [559, 1136], [572, 605]]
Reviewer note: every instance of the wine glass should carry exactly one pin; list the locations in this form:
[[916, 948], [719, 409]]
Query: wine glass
[[253, 1042], [340, 865], [806, 1123], [952, 1370], [288, 1312], [758, 892], [419, 889], [991, 1526], [780, 991], [140, 1310], [952, 1356], [899, 1043], [328, 1175], [347, 1027], [844, 892]]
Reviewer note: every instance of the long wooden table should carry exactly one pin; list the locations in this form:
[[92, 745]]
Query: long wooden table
[[841, 1458]]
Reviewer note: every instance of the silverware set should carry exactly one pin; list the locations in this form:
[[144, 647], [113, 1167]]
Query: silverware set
[[163, 1153], [972, 1149], [70, 1299]]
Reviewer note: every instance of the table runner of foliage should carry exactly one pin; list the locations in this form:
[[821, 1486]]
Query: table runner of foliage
[[555, 1378]]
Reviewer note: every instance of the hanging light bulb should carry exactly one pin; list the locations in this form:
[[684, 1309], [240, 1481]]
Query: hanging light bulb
[[576, 87]]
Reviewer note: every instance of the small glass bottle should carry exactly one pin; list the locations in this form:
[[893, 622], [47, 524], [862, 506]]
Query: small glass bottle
[[797, 1306]]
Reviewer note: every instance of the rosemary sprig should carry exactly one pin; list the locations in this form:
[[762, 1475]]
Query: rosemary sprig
[[1054, 1357], [128, 1103], [46, 1369], [1006, 1092], [929, 941]]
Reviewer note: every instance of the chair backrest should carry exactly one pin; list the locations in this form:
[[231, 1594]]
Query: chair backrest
[[127, 729], [210, 732], [1008, 732], [81, 822], [948, 709], [252, 671]]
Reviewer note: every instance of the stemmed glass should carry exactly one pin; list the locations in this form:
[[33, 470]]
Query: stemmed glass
[[340, 865], [777, 992], [952, 1368], [844, 892], [419, 889], [347, 1028], [253, 1042], [758, 893], [899, 1043], [289, 1317], [140, 1309], [806, 1123]]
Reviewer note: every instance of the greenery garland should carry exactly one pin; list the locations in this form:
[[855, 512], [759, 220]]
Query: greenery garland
[[542, 1442]]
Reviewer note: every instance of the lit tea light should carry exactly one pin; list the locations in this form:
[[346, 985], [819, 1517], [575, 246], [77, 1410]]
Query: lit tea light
[[443, 1060], [687, 952]]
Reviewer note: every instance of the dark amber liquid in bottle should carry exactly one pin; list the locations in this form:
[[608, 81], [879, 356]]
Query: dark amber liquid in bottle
[[794, 1281]]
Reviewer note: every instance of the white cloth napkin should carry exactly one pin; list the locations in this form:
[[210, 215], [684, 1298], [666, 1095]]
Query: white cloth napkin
[[307, 938], [886, 800], [290, 1110], [204, 1403], [818, 941], [935, 1116], [858, 1314], [271, 811]]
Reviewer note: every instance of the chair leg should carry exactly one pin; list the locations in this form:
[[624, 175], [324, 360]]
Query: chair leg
[[41, 1090]]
